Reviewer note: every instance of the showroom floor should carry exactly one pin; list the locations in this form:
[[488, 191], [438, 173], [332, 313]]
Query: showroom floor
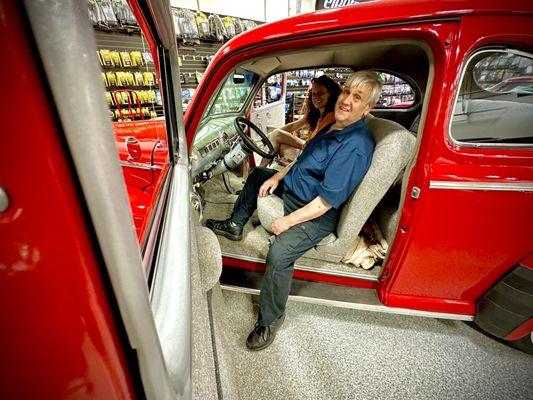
[[330, 353]]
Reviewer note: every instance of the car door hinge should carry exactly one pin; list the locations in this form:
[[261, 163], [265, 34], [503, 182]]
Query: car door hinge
[[415, 192]]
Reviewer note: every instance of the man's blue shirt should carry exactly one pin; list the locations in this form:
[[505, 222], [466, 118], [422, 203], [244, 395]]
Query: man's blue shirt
[[332, 165]]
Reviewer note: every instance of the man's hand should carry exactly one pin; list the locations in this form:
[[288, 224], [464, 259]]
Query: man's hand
[[280, 225], [268, 186]]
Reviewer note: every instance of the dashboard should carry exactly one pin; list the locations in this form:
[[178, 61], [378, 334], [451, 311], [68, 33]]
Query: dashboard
[[214, 139]]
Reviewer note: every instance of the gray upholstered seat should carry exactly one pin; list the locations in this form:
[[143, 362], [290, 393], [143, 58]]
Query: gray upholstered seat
[[394, 147]]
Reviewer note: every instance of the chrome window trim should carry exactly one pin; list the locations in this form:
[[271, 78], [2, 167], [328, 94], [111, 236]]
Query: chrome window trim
[[485, 186], [459, 143], [138, 165], [171, 290]]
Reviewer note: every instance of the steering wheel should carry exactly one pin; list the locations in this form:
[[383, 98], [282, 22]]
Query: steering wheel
[[248, 144]]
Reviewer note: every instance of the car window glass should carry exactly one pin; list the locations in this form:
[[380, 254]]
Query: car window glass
[[234, 92], [299, 87], [396, 92], [495, 100], [270, 92], [132, 95]]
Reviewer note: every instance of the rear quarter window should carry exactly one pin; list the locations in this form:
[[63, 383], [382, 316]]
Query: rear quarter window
[[397, 93], [494, 106]]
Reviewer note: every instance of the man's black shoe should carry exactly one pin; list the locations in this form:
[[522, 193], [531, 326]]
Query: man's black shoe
[[226, 228], [262, 336]]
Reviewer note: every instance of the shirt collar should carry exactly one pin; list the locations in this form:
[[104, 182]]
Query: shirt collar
[[340, 134]]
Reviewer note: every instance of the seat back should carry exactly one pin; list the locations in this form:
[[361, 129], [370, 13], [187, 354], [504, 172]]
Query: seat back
[[394, 147]]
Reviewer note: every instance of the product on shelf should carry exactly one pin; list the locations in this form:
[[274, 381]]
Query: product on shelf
[[216, 27], [105, 58], [110, 18], [202, 23], [138, 78], [96, 14], [111, 14], [111, 79], [109, 99], [123, 13], [104, 78], [249, 24], [115, 59], [148, 78], [185, 25], [158, 97], [136, 59], [239, 26], [229, 27], [125, 58]]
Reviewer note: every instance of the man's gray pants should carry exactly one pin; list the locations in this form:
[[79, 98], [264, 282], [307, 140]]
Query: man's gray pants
[[288, 247]]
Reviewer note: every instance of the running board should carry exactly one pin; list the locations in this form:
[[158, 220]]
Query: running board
[[323, 293]]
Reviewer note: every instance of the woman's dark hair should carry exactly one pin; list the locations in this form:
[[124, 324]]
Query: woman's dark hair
[[313, 113]]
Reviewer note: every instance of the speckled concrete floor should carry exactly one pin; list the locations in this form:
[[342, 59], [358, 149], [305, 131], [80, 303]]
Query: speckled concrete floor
[[329, 353]]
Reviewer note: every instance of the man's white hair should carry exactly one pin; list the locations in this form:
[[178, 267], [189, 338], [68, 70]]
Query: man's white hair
[[362, 78]]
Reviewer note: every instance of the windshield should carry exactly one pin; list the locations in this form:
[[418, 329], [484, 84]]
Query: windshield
[[234, 92]]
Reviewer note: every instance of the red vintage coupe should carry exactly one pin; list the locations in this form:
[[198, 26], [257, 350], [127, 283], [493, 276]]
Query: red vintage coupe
[[98, 252]]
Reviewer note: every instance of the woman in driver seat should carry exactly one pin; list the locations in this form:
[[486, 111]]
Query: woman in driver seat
[[320, 112]]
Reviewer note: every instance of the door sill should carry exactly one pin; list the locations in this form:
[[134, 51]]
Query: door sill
[[300, 265], [323, 293]]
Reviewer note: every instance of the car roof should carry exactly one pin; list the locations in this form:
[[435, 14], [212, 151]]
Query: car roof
[[375, 13]]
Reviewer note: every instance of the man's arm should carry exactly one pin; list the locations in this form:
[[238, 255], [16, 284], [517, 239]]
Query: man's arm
[[313, 210], [272, 183]]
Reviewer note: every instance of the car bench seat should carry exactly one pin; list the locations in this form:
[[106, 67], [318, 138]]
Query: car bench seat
[[394, 147]]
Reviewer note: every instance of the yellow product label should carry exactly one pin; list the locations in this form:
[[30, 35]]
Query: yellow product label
[[148, 78], [130, 79], [136, 59], [111, 78], [138, 79], [122, 78], [105, 80], [99, 58], [115, 58], [126, 59], [106, 58], [109, 98]]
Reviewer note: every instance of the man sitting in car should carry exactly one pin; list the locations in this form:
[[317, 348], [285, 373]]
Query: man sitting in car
[[315, 186]]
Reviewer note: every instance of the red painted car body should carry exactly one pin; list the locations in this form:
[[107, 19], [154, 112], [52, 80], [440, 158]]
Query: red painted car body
[[57, 298], [143, 152]]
